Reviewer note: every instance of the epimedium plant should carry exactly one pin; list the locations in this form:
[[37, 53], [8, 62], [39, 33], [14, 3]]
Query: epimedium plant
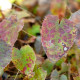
[[23, 59], [58, 36], [9, 29]]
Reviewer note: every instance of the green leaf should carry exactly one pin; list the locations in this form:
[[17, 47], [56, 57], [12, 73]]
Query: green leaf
[[34, 29], [24, 59], [63, 77], [48, 66], [59, 62], [40, 74], [64, 68]]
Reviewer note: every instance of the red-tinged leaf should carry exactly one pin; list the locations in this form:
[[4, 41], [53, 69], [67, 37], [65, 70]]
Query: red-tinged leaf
[[24, 59], [5, 51], [57, 38], [9, 29]]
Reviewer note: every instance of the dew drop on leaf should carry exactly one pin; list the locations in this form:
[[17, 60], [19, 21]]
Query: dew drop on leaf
[[57, 38]]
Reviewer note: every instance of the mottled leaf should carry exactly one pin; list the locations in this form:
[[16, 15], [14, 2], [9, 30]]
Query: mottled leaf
[[54, 75], [39, 74], [24, 59], [5, 54], [9, 29], [57, 38], [75, 17]]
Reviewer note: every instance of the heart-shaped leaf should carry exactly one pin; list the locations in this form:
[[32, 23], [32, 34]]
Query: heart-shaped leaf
[[24, 59], [5, 51], [9, 29], [57, 38]]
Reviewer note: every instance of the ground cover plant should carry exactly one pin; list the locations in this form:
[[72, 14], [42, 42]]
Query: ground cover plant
[[39, 40]]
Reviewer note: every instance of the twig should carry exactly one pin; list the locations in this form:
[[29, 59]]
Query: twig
[[16, 75]]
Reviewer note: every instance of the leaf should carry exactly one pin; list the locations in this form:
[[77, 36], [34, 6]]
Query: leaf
[[75, 17], [64, 68], [48, 66], [39, 60], [20, 14], [77, 78], [40, 74], [5, 54], [63, 77], [9, 29], [57, 38], [59, 62], [54, 75], [24, 37], [24, 59], [58, 7], [34, 30]]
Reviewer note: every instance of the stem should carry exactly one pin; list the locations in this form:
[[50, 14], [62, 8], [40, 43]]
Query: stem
[[16, 75]]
